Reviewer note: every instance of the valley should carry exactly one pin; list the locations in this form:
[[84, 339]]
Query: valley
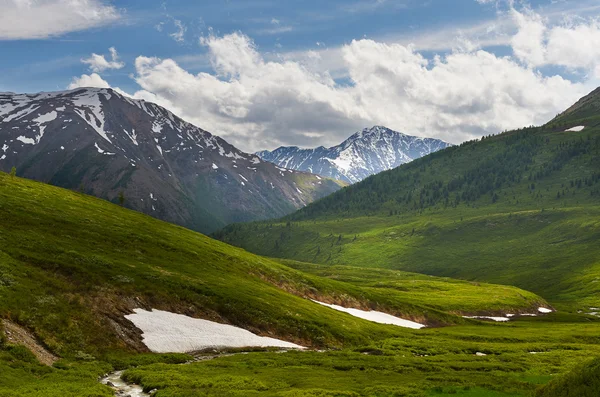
[[471, 271], [74, 286]]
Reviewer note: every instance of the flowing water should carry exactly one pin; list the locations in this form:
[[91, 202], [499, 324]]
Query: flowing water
[[121, 388]]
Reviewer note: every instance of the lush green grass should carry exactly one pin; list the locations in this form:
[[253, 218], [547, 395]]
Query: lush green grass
[[71, 265], [521, 208], [429, 362], [22, 375], [456, 296], [583, 381]]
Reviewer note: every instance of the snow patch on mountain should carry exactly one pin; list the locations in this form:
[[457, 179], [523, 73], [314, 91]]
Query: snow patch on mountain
[[365, 153]]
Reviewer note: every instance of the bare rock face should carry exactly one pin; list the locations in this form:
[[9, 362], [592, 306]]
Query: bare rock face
[[143, 156]]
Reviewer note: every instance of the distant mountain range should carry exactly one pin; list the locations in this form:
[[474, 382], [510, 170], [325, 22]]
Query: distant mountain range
[[111, 146], [365, 153]]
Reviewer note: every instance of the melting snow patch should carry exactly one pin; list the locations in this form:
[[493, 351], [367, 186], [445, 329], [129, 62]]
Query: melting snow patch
[[165, 332], [376, 317], [132, 136], [26, 140], [89, 103], [102, 151], [499, 319], [576, 129], [157, 128], [480, 354], [20, 113], [214, 166], [46, 118], [544, 310]]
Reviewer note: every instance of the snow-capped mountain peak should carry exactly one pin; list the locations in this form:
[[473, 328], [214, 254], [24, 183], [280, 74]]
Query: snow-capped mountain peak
[[104, 143], [364, 153]]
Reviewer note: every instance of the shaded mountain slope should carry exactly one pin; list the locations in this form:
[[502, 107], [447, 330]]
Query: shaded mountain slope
[[108, 145]]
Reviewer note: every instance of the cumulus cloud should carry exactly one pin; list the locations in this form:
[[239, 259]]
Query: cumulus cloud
[[40, 19], [320, 97], [98, 63], [88, 80], [572, 45], [94, 80], [258, 103]]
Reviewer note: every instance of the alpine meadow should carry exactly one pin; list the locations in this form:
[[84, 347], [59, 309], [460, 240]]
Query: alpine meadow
[[367, 198]]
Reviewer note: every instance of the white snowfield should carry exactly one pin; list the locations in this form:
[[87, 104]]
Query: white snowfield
[[576, 129], [498, 319], [166, 332], [376, 317]]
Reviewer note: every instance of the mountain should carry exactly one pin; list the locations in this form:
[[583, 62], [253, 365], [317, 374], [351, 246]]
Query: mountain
[[519, 208], [365, 153], [108, 145]]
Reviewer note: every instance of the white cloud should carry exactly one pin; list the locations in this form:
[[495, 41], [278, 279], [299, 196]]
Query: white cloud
[[573, 45], [179, 34], [261, 101], [258, 103], [88, 80], [95, 81], [98, 63], [40, 19]]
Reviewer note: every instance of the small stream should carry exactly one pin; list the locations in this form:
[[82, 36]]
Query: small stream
[[124, 389], [121, 388]]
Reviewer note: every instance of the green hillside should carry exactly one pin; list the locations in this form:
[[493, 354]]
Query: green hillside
[[89, 262], [71, 266], [519, 208], [583, 381]]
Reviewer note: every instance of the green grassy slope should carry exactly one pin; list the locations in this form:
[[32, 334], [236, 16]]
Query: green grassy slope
[[434, 362], [520, 208], [583, 381], [71, 266]]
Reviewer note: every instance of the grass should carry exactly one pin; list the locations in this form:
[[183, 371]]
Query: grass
[[452, 295], [583, 381], [521, 208], [430, 362], [71, 266]]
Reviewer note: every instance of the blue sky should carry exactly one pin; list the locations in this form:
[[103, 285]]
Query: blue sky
[[317, 37], [275, 26]]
